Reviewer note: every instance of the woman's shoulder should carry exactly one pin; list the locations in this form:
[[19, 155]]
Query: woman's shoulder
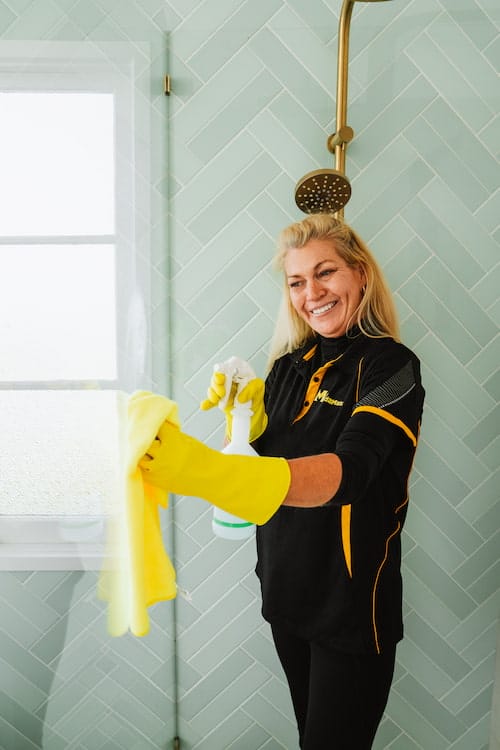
[[387, 346], [384, 357]]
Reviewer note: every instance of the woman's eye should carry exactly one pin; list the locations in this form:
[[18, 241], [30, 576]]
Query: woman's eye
[[327, 272], [294, 284]]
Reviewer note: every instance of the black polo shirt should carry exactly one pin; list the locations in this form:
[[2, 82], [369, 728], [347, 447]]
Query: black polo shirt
[[332, 573]]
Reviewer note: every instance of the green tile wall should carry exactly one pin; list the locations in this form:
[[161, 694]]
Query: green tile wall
[[252, 104]]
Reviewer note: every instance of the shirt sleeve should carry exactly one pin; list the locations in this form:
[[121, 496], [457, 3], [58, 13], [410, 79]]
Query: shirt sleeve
[[384, 422]]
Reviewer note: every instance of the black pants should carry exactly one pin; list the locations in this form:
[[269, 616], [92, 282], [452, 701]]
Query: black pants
[[338, 698]]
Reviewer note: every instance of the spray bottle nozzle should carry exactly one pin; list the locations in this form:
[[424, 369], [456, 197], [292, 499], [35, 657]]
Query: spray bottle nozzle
[[237, 371]]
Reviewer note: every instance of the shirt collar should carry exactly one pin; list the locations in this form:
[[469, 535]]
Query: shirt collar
[[330, 348]]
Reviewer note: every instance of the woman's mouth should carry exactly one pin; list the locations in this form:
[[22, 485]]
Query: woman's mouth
[[323, 308]]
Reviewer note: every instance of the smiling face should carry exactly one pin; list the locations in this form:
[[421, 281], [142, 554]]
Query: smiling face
[[323, 289]]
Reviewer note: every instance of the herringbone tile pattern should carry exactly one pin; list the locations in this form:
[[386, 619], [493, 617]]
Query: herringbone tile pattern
[[65, 683], [424, 96], [251, 108]]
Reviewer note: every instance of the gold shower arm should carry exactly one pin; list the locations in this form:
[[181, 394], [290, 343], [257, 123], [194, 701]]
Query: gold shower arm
[[338, 141], [328, 190]]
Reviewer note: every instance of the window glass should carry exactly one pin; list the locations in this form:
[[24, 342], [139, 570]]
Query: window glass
[[57, 157], [57, 312], [61, 452], [60, 442]]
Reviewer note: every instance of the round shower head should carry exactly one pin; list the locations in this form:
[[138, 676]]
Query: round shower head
[[322, 191]]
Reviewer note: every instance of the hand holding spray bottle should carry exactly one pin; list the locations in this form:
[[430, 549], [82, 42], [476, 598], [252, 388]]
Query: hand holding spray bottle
[[236, 370]]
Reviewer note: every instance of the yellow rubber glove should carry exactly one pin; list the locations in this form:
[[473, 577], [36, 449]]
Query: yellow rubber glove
[[253, 392], [251, 487]]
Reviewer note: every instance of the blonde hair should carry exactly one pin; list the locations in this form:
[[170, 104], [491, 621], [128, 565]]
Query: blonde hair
[[376, 314]]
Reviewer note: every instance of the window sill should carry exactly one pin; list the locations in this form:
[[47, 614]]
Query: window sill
[[53, 557], [51, 543]]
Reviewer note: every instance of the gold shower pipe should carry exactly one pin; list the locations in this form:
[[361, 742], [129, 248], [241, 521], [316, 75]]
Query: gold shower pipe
[[337, 143], [328, 190]]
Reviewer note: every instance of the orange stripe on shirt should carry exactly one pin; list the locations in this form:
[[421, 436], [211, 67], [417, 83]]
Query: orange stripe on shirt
[[390, 418], [374, 594], [345, 514]]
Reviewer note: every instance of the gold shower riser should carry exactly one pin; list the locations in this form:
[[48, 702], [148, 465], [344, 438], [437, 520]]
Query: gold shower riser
[[329, 189]]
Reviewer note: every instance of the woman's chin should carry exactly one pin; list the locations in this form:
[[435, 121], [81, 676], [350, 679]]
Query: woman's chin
[[328, 328]]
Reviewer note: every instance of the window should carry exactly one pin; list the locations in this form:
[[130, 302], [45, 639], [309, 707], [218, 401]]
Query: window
[[73, 327]]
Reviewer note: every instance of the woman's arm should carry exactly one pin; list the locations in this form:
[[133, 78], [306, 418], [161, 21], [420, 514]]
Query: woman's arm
[[314, 480]]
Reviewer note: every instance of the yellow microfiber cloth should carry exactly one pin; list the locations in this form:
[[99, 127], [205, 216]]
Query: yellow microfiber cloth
[[138, 571]]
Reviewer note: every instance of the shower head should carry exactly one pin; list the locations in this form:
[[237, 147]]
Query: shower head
[[322, 191]]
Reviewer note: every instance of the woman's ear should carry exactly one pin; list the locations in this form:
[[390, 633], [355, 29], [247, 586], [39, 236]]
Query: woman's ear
[[363, 277]]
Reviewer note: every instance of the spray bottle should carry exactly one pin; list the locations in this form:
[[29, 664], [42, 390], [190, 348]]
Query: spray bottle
[[236, 370]]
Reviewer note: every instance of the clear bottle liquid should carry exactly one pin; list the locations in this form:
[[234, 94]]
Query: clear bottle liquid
[[226, 525]]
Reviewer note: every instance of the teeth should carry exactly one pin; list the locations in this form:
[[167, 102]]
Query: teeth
[[321, 310]]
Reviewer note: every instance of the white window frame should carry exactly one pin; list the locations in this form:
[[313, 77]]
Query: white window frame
[[39, 542]]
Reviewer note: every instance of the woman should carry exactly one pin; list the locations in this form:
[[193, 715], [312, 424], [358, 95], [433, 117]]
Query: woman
[[342, 404], [343, 389]]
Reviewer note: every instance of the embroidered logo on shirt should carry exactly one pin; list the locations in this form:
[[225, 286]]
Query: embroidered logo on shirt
[[326, 399]]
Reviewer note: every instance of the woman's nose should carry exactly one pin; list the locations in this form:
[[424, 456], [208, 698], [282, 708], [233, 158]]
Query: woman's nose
[[314, 289]]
